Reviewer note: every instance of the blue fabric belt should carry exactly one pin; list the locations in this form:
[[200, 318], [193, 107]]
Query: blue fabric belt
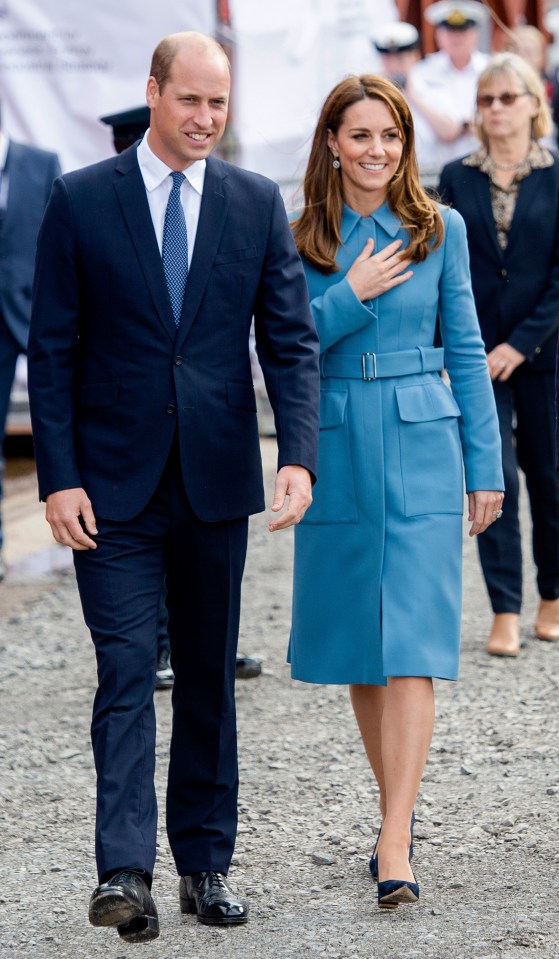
[[373, 366]]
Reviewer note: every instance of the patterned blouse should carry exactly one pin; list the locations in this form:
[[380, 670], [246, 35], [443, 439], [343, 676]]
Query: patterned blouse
[[503, 199]]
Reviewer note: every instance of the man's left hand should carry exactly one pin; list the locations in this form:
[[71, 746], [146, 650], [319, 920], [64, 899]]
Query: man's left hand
[[293, 482]]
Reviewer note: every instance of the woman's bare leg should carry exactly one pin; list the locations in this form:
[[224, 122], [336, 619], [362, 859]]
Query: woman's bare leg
[[368, 705], [396, 726]]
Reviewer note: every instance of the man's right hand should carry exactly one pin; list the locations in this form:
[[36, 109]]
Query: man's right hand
[[68, 512]]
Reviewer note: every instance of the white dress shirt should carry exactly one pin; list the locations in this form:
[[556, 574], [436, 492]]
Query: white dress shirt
[[158, 183]]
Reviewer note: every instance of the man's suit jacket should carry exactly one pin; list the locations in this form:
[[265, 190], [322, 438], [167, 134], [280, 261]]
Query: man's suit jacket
[[516, 290], [31, 173], [111, 379]]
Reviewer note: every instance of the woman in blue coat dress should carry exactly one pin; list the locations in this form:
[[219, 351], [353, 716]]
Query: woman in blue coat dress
[[377, 580]]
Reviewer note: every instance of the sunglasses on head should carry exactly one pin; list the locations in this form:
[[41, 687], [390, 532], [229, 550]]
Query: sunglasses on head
[[507, 99]]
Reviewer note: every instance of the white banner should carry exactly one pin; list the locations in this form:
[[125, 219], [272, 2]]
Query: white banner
[[288, 56], [65, 63]]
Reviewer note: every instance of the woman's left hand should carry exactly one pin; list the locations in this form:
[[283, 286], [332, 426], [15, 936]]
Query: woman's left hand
[[484, 509], [503, 360]]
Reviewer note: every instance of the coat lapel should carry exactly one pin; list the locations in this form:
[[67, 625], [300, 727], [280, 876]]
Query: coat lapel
[[482, 194], [213, 210], [131, 193], [526, 194]]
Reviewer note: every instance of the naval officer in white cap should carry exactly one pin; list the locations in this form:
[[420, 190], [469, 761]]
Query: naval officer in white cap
[[397, 44], [446, 81]]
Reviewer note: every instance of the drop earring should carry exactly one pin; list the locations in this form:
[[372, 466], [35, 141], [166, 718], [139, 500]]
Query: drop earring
[[336, 163]]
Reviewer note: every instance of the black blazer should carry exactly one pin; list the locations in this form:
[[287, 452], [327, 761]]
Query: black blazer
[[112, 381], [516, 290]]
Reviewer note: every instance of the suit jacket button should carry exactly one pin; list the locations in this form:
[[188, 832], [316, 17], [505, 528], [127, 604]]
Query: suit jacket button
[[170, 408], [504, 272], [178, 360]]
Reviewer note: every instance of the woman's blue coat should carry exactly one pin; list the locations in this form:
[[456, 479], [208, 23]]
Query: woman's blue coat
[[378, 557]]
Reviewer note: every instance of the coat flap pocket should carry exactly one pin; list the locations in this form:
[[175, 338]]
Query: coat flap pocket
[[332, 408], [241, 395], [104, 393], [425, 401], [232, 256]]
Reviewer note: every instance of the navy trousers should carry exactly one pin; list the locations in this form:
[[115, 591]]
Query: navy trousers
[[120, 589], [525, 404]]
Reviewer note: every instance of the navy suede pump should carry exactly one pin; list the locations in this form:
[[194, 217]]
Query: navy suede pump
[[373, 862], [394, 892]]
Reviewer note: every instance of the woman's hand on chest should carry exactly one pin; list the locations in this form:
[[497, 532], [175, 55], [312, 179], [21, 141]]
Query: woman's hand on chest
[[373, 274]]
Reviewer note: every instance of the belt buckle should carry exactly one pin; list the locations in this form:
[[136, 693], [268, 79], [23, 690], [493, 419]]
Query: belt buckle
[[368, 379]]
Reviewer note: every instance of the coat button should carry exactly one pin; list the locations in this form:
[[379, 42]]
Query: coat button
[[170, 408], [538, 349], [504, 272], [178, 360]]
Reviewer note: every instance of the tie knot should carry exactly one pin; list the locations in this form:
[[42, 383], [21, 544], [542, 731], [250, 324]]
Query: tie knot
[[178, 179]]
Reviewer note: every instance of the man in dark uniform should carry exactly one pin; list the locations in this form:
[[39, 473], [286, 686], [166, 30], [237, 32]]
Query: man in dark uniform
[[26, 176]]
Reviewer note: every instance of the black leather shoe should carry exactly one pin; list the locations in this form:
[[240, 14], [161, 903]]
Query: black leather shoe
[[164, 675], [212, 899], [125, 901], [247, 668]]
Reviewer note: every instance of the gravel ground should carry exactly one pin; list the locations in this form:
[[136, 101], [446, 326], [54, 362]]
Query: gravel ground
[[487, 850]]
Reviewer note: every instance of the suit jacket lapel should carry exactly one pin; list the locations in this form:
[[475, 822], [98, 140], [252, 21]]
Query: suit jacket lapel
[[16, 171], [482, 192], [131, 193], [526, 192], [213, 209]]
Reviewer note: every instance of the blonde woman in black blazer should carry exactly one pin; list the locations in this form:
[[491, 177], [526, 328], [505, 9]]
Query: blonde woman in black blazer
[[508, 194]]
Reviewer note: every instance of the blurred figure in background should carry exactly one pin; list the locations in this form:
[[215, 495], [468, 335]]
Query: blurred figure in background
[[128, 126], [397, 44], [26, 176], [445, 82], [530, 44], [508, 193]]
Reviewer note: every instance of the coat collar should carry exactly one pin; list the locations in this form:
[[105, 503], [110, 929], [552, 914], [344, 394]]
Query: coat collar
[[528, 187], [384, 217], [480, 189]]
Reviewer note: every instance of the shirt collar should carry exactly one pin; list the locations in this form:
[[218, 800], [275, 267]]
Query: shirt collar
[[538, 158], [154, 171], [4, 147], [384, 216]]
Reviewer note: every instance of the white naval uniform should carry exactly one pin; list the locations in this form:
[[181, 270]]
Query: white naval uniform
[[452, 92]]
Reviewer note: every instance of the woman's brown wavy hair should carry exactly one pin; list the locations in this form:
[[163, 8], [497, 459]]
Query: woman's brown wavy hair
[[317, 229]]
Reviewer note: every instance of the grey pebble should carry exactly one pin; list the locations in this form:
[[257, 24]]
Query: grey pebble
[[322, 859]]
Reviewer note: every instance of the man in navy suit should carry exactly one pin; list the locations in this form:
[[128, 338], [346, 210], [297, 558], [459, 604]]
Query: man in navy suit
[[26, 175], [148, 458]]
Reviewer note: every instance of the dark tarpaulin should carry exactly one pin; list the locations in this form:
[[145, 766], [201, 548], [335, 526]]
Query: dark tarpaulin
[[509, 12]]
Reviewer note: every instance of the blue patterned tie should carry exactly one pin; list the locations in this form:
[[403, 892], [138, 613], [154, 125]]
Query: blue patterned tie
[[175, 247]]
